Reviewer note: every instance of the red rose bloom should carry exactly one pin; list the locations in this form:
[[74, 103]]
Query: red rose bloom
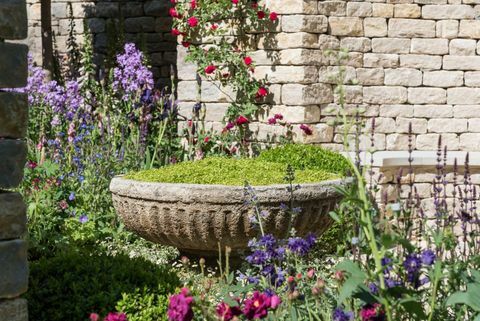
[[210, 69], [247, 60], [173, 13], [206, 139], [278, 116], [193, 4], [262, 92], [186, 44], [176, 32], [235, 2], [241, 120], [192, 22], [214, 27], [261, 14], [273, 16], [307, 130]]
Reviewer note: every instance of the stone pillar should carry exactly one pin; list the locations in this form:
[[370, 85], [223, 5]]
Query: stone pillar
[[13, 151]]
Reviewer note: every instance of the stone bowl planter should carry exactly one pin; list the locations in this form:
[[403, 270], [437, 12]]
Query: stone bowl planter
[[197, 218]]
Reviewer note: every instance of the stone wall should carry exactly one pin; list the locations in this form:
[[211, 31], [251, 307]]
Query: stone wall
[[146, 23], [13, 124], [410, 61]]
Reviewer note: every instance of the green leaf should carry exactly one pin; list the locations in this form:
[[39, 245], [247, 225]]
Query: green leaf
[[335, 217], [471, 297], [353, 283], [414, 307]]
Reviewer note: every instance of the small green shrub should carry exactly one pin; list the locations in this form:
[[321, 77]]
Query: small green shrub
[[144, 305], [308, 157], [229, 171], [71, 285]]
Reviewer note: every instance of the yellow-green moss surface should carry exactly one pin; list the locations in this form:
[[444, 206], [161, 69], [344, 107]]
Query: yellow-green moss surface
[[228, 171]]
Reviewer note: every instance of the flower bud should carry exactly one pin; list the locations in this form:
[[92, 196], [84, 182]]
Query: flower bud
[[310, 273], [320, 284], [185, 260], [339, 276], [316, 291]]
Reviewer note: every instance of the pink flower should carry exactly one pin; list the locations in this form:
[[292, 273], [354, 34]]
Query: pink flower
[[272, 121], [247, 60], [214, 26], [262, 92], [32, 164], [193, 4], [278, 116], [116, 316], [229, 126], [241, 120], [275, 301], [372, 312], [94, 317], [206, 139], [176, 32], [235, 2], [273, 16], [226, 312], [173, 13], [307, 130], [192, 22], [256, 307], [180, 306], [261, 14], [210, 69], [63, 205], [186, 44]]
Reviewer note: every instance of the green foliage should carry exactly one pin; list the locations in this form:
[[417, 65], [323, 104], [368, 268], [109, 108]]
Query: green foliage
[[308, 157], [71, 285], [144, 305], [228, 171]]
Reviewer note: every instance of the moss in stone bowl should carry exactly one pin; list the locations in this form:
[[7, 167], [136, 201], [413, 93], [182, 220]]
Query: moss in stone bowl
[[312, 164]]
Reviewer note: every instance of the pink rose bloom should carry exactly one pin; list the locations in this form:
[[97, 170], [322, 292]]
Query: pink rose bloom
[[116, 316], [273, 16], [192, 21], [307, 130], [210, 69], [241, 120], [94, 317]]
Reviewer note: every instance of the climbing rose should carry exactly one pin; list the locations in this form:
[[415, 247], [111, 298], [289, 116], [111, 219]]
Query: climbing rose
[[261, 14], [226, 312], [115, 316], [273, 16], [214, 27], [278, 116], [192, 22], [241, 120], [186, 44], [176, 32], [210, 69], [307, 130], [247, 60], [229, 126], [173, 13], [256, 307], [179, 307], [235, 1], [262, 92], [193, 4]]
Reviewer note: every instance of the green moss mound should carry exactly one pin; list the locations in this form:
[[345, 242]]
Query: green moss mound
[[229, 171], [308, 157]]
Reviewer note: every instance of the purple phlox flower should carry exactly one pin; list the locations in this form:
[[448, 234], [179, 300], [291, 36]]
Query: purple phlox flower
[[71, 197], [340, 315], [131, 76], [116, 316], [180, 306], [83, 219], [428, 257]]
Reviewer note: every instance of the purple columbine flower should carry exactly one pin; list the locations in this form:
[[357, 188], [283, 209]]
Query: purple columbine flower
[[412, 263], [340, 315], [83, 219], [71, 197], [428, 257]]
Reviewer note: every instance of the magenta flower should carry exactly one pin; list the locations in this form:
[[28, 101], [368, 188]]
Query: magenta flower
[[116, 316], [180, 306], [94, 317], [256, 307], [275, 301], [372, 312], [226, 312], [306, 129]]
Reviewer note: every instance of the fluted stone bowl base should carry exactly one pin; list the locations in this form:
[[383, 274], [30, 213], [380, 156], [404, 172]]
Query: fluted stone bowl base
[[196, 218]]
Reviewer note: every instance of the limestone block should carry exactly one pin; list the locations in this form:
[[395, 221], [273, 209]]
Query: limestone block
[[391, 45], [301, 95], [398, 142], [429, 46], [470, 142], [375, 27], [14, 310], [83, 9], [321, 133], [384, 95], [12, 162], [13, 19], [384, 10], [214, 112], [346, 26], [382, 125], [461, 63], [396, 111], [370, 76], [472, 78], [425, 95], [430, 141], [411, 28], [359, 9], [403, 77], [439, 12], [326, 42], [463, 96], [356, 44], [380, 60], [60, 10], [421, 61], [332, 8], [287, 74], [469, 29], [14, 276], [352, 95], [13, 115], [294, 114], [447, 29], [330, 74], [466, 111], [285, 40], [419, 125], [407, 10], [293, 6], [474, 125], [463, 47], [13, 65], [300, 57], [442, 78], [447, 125], [13, 217], [306, 23]]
